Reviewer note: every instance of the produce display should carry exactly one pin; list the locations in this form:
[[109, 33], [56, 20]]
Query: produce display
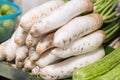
[[66, 40], [7, 25]]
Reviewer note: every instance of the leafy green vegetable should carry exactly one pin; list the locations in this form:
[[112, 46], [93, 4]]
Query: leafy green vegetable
[[107, 8], [108, 49], [66, 0]]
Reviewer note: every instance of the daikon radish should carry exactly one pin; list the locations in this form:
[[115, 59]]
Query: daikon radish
[[11, 48], [20, 36], [21, 54], [61, 16], [83, 45], [77, 28], [32, 41], [46, 59], [38, 13], [36, 70], [28, 65], [65, 69], [45, 44], [33, 56], [2, 47], [115, 43]]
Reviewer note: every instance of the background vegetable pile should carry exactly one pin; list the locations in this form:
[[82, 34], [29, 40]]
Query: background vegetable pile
[[6, 26], [63, 38]]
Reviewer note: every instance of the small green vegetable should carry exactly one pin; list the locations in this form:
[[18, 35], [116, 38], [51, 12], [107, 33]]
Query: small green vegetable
[[9, 12], [98, 68], [8, 24], [5, 8], [2, 32]]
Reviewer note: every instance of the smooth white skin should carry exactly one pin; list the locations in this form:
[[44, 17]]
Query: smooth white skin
[[45, 44], [77, 28], [46, 59], [66, 68], [21, 54], [11, 48], [20, 36], [38, 13], [83, 45], [33, 56], [2, 47], [61, 16]]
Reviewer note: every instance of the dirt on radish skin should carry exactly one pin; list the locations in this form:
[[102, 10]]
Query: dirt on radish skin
[[45, 44], [20, 36], [77, 28], [21, 54], [11, 48], [28, 64], [65, 69], [32, 41], [33, 56], [83, 45]]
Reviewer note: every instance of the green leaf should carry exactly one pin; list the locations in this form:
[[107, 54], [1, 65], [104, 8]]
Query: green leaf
[[108, 49], [66, 0]]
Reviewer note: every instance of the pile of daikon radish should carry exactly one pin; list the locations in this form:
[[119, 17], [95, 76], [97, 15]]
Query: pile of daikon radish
[[55, 38]]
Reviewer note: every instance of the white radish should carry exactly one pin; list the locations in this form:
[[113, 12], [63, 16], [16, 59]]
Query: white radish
[[2, 47], [32, 41], [113, 43], [46, 59], [20, 36], [65, 69], [77, 28], [28, 65], [11, 48], [61, 16], [21, 54], [117, 44], [45, 44], [38, 13], [33, 56], [36, 70], [83, 45]]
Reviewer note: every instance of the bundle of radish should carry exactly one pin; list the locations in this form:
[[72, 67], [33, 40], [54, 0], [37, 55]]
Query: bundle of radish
[[61, 16], [54, 39], [38, 13]]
